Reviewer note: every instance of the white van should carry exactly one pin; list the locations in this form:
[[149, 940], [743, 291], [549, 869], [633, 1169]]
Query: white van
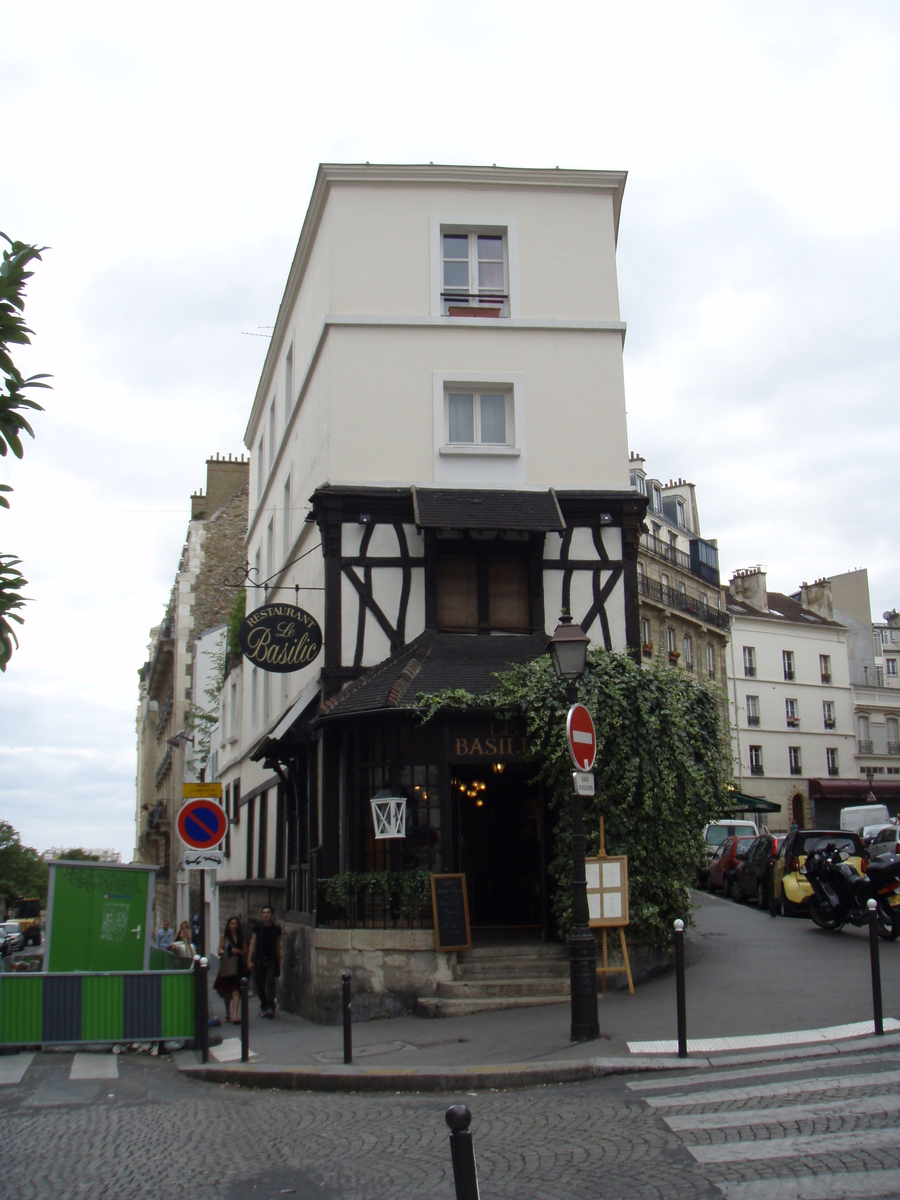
[[853, 819]]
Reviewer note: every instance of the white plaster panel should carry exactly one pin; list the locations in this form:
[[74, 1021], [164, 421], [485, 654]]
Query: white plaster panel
[[387, 583], [377, 647], [582, 544], [615, 611], [552, 545], [581, 596], [612, 540], [552, 599], [384, 542], [349, 617], [415, 611], [415, 541], [351, 537]]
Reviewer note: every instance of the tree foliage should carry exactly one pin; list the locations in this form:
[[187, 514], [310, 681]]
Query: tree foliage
[[661, 773], [22, 870], [14, 405]]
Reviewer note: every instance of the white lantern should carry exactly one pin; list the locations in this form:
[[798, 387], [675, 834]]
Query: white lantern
[[389, 815]]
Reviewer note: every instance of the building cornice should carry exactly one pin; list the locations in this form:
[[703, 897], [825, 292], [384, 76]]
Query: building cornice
[[414, 175]]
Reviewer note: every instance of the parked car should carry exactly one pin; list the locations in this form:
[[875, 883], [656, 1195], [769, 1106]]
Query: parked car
[[723, 866], [4, 943], [885, 841], [715, 834], [790, 891], [753, 878], [14, 936]]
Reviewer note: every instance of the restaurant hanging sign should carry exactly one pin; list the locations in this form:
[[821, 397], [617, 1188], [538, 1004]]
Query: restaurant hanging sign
[[280, 637]]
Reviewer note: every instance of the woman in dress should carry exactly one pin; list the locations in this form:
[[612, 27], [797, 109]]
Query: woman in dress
[[232, 967]]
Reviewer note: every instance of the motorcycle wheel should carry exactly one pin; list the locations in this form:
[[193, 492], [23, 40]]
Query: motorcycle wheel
[[819, 916], [887, 922]]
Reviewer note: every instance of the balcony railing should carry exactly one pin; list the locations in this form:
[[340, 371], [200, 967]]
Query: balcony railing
[[826, 678], [864, 747], [749, 671], [165, 765], [829, 723], [701, 562], [481, 304], [793, 722], [753, 721], [893, 747], [756, 769], [674, 598], [833, 771]]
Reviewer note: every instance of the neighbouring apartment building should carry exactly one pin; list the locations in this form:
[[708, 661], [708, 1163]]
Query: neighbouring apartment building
[[180, 668], [789, 695], [683, 617], [438, 469]]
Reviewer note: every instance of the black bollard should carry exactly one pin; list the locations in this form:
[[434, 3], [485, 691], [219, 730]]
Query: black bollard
[[345, 1003], [874, 955], [201, 1006], [462, 1151], [679, 989], [245, 1019]]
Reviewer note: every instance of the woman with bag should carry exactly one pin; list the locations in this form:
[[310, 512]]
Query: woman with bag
[[232, 968]]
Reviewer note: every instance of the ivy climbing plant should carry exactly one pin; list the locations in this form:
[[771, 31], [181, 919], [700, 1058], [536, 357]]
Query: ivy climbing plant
[[661, 773]]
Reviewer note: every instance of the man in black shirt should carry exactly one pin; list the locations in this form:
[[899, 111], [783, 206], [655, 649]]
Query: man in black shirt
[[264, 960]]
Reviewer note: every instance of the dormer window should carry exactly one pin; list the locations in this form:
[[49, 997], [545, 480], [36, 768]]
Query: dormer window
[[475, 275], [656, 499], [679, 510]]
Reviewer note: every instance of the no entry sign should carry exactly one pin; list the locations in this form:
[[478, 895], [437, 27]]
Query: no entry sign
[[581, 737], [202, 824]]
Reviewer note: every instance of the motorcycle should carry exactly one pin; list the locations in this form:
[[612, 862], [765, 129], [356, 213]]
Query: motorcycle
[[840, 895]]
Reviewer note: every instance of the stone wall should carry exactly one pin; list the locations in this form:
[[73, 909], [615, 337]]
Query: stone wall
[[223, 553], [390, 969]]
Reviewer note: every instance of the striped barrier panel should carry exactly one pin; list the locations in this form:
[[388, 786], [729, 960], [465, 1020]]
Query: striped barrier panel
[[64, 1008]]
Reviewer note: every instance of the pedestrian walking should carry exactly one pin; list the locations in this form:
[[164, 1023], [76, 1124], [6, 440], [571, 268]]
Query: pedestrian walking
[[232, 956], [265, 960]]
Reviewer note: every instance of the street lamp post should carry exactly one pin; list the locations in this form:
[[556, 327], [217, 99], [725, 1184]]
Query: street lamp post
[[568, 650]]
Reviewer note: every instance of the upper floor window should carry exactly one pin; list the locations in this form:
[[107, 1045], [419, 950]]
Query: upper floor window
[[688, 653], [288, 384], [475, 275], [752, 710], [825, 667], [750, 662], [756, 760], [710, 661], [679, 510], [890, 666], [791, 713], [828, 713], [480, 593], [637, 481], [656, 499], [479, 418], [787, 661], [272, 430], [260, 468], [831, 761], [794, 760]]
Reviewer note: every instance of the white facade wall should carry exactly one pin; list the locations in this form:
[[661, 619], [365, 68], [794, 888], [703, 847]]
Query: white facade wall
[[769, 639]]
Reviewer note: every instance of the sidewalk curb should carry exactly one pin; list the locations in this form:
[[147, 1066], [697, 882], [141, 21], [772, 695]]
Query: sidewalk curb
[[512, 1075]]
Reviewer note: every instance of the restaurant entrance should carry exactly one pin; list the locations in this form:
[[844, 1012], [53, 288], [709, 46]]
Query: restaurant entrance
[[499, 835]]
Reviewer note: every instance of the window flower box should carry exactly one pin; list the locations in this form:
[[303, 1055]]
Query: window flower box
[[674, 656], [648, 649]]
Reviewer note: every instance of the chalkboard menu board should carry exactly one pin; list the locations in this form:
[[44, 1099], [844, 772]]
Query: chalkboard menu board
[[451, 912]]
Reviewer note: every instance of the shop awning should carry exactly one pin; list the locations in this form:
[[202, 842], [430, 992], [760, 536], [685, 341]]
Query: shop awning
[[487, 508], [739, 802], [854, 791]]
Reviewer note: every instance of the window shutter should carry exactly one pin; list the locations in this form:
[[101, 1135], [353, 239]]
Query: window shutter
[[457, 593], [509, 609]]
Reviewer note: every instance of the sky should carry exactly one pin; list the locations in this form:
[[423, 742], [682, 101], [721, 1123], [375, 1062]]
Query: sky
[[167, 152]]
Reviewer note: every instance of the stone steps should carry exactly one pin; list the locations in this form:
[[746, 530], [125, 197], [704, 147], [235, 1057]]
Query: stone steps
[[485, 989], [490, 978], [435, 1006]]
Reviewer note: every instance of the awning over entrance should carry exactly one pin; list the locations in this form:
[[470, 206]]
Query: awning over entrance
[[742, 803], [464, 508], [853, 791], [431, 662]]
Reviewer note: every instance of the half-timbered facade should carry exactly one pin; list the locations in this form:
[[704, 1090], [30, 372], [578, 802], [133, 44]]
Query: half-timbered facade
[[439, 468]]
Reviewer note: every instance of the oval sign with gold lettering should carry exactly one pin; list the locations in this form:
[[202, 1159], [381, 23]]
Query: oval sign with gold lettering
[[280, 637]]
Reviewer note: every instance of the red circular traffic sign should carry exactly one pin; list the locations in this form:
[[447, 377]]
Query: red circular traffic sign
[[202, 824], [582, 737]]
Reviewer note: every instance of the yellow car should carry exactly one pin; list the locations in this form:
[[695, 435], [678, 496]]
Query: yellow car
[[790, 891]]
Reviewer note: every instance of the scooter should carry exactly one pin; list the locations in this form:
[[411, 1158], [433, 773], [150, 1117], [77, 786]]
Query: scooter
[[840, 895]]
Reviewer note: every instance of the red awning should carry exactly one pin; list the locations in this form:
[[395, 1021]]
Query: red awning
[[854, 789]]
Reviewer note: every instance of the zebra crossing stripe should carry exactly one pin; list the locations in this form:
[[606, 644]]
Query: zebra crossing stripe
[[14, 1066], [761, 1041], [790, 1147], [795, 1087], [849, 1185], [746, 1117], [815, 1063]]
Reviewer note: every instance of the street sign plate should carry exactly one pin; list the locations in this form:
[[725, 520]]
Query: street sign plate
[[203, 860], [582, 737], [202, 824], [584, 783], [197, 791]]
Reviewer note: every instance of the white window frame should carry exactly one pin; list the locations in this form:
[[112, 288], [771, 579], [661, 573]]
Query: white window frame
[[828, 711], [795, 759], [273, 431], [288, 384], [756, 752], [789, 665], [831, 761], [688, 652], [481, 447], [791, 711], [749, 660], [710, 660], [492, 226], [680, 513], [752, 706], [825, 667], [287, 531], [890, 668], [511, 382], [260, 468]]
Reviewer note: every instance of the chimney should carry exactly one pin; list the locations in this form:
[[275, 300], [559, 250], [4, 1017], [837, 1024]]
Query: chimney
[[816, 598], [750, 586], [224, 478]]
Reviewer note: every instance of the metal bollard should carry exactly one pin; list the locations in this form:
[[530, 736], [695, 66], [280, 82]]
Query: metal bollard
[[874, 955], [245, 1019], [679, 989], [345, 1002], [462, 1151], [201, 1006]]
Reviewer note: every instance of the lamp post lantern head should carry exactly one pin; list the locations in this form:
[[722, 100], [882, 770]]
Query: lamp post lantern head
[[568, 649]]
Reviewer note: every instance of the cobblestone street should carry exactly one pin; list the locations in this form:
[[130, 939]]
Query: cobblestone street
[[808, 1127]]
